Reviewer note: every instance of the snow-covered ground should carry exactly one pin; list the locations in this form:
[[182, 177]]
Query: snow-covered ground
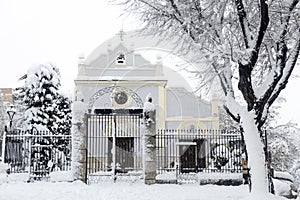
[[111, 191], [124, 191], [15, 187]]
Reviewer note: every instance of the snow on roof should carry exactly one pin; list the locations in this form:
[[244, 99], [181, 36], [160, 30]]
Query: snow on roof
[[134, 41]]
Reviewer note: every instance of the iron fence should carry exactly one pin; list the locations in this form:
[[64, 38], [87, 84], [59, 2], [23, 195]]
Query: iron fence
[[193, 151], [180, 154], [37, 152], [113, 144]]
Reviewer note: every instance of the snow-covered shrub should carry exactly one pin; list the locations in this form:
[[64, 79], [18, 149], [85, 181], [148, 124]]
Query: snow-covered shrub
[[283, 144], [280, 153]]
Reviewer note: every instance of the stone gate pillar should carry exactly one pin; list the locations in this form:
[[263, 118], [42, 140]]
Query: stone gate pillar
[[79, 157], [149, 139]]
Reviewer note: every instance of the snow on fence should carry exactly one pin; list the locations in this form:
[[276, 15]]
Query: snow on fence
[[193, 151], [37, 152]]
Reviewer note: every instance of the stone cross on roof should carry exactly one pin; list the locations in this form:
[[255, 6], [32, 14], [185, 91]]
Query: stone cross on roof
[[121, 34]]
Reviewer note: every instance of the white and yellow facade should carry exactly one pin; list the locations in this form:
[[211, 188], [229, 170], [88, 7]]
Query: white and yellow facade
[[114, 75]]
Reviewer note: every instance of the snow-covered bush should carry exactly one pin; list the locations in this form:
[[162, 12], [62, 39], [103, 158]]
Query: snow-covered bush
[[283, 144], [280, 153]]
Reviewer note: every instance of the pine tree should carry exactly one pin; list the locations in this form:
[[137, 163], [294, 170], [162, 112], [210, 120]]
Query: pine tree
[[53, 112], [64, 125], [40, 94], [64, 115], [45, 109]]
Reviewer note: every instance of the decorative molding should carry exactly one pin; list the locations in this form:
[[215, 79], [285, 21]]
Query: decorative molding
[[112, 89], [120, 98]]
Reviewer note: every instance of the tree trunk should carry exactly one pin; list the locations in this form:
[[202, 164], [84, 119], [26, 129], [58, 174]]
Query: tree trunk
[[256, 154]]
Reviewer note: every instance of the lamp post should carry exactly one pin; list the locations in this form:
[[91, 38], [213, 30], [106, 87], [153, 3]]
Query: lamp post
[[11, 113]]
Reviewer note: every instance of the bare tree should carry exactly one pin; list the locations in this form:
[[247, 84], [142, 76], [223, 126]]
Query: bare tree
[[252, 46]]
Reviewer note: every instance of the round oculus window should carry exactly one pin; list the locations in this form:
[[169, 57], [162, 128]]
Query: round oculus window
[[120, 97]]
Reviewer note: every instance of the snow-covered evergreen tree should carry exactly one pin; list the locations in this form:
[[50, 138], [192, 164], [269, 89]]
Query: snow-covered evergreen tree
[[64, 125], [56, 109], [45, 108], [40, 94], [64, 115]]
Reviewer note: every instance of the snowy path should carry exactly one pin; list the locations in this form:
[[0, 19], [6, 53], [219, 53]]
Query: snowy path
[[111, 191]]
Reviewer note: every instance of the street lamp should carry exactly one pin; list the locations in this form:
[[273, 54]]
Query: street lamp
[[11, 113]]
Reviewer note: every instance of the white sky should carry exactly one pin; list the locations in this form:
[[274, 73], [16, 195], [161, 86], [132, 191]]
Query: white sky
[[58, 31]]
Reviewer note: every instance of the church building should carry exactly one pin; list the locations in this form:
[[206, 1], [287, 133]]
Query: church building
[[116, 76], [114, 81]]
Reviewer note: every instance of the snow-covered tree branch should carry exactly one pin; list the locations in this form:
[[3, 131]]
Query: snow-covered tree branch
[[251, 46]]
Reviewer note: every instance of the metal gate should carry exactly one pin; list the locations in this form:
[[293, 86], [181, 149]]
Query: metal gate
[[37, 152], [114, 148], [189, 151]]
